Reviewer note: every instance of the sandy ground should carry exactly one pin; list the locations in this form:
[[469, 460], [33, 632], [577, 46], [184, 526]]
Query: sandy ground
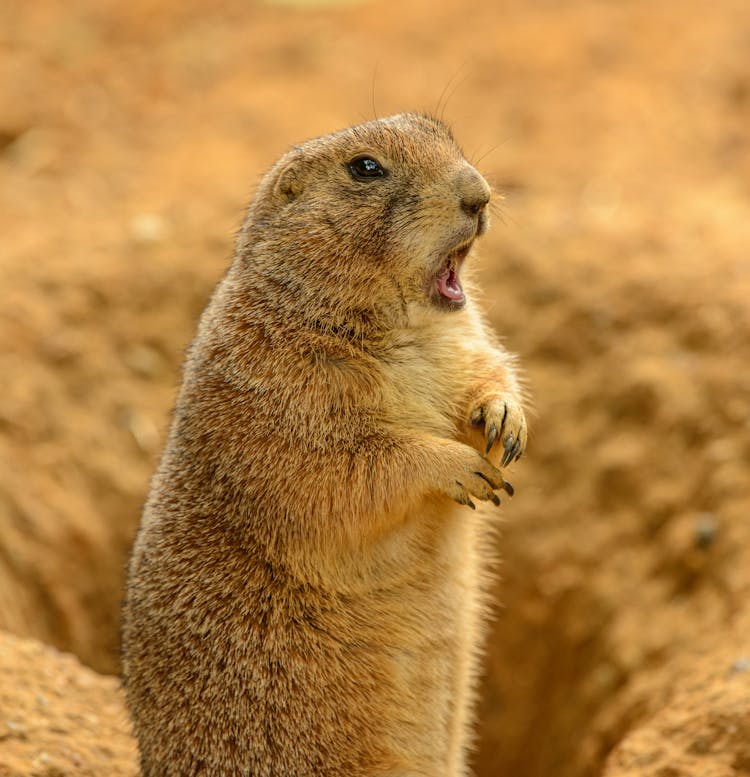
[[131, 135]]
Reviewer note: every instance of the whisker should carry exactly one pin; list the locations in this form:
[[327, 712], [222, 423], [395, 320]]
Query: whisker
[[491, 150], [372, 91], [441, 106]]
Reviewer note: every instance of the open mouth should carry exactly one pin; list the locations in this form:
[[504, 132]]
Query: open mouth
[[447, 281]]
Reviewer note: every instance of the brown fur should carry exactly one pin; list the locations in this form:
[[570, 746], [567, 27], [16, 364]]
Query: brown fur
[[305, 594]]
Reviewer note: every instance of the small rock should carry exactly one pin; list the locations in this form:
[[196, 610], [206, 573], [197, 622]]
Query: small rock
[[705, 530]]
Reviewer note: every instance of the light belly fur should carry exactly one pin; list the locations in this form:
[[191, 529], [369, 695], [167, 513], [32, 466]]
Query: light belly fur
[[433, 650]]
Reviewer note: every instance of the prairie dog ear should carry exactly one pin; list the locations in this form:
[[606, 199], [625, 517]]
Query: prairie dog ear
[[288, 184]]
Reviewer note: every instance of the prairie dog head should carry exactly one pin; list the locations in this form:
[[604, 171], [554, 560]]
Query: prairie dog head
[[378, 217]]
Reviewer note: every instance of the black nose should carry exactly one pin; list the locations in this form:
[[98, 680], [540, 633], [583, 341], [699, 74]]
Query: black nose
[[473, 191], [475, 204]]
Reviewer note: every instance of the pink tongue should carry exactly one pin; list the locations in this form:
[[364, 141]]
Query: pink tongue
[[448, 285]]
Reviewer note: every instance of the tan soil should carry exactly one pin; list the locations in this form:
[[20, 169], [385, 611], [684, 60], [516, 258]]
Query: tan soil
[[131, 134], [59, 718], [703, 729]]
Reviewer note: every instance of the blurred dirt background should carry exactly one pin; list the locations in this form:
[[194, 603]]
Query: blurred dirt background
[[131, 135]]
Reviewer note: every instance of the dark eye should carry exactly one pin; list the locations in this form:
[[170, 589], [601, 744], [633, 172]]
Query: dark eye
[[365, 168]]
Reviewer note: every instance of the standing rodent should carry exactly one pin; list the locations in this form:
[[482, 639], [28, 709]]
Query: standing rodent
[[306, 592]]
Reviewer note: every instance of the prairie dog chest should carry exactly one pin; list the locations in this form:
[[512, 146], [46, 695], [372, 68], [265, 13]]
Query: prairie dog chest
[[427, 377]]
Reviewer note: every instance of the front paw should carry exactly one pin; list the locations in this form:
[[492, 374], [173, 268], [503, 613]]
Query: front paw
[[503, 419], [465, 473]]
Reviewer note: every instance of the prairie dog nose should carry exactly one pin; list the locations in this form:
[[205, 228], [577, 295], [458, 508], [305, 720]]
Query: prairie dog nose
[[473, 190]]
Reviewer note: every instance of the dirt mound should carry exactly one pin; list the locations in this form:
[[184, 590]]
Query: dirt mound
[[618, 268], [58, 718], [704, 728]]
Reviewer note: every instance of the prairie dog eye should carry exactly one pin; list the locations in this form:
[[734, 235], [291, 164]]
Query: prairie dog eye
[[365, 168]]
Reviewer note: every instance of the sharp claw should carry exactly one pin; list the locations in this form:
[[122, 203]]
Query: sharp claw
[[491, 437], [508, 488], [495, 500], [508, 449], [471, 504], [486, 479]]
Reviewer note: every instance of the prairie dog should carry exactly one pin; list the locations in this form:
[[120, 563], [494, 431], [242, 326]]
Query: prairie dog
[[306, 591]]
